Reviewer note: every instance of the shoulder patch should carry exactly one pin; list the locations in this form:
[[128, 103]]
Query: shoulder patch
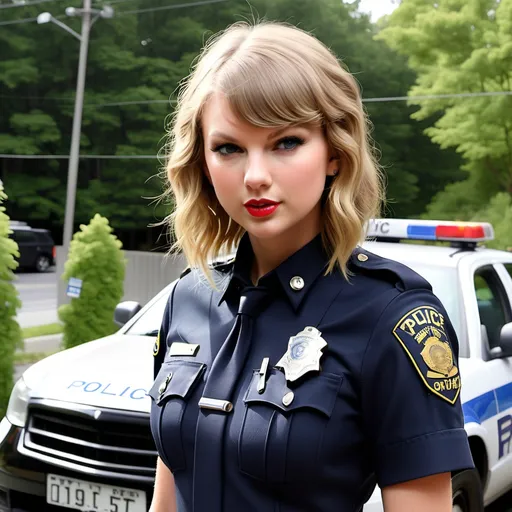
[[422, 334], [156, 346]]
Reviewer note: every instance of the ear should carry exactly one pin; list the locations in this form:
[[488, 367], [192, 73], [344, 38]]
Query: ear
[[333, 166]]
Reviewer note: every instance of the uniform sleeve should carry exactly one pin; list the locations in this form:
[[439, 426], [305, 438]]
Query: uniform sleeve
[[410, 389]]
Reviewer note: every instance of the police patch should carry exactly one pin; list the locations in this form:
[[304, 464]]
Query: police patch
[[156, 346], [422, 334]]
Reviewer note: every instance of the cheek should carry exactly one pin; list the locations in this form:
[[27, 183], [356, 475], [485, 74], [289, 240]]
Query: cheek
[[223, 177], [306, 181]]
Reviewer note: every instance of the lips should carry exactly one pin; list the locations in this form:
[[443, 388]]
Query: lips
[[261, 207]]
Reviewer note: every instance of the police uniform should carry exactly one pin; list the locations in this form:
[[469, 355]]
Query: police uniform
[[303, 392]]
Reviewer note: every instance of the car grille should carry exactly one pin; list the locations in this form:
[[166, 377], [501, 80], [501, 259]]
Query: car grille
[[91, 440]]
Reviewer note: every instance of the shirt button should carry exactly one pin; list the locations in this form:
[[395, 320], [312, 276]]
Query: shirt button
[[288, 398], [362, 257], [296, 283]]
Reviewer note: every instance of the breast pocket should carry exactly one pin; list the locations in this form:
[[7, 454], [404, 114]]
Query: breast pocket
[[282, 433], [170, 396]]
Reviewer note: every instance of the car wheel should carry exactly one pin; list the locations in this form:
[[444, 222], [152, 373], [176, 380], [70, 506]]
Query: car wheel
[[467, 492], [42, 263]]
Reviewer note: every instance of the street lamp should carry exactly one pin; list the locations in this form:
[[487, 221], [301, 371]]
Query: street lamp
[[83, 37]]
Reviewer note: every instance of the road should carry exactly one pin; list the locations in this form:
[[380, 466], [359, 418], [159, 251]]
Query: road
[[38, 294]]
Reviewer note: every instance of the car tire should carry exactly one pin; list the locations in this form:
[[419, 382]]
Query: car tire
[[42, 263], [467, 493]]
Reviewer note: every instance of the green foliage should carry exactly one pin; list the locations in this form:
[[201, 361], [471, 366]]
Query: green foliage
[[96, 258], [462, 46], [499, 213], [143, 57], [9, 303]]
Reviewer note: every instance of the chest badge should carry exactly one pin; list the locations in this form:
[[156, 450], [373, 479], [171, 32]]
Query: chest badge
[[303, 354]]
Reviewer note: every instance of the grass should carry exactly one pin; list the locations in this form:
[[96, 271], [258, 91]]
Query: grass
[[30, 357], [41, 330]]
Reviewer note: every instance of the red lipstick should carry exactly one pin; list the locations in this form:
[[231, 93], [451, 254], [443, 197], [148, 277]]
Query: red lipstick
[[261, 207]]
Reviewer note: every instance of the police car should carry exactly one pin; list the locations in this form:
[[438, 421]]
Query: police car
[[76, 434]]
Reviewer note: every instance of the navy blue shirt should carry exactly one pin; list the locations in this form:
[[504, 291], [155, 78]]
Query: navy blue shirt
[[383, 406]]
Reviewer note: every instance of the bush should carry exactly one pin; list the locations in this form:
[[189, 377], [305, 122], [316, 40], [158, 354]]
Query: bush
[[10, 331], [96, 258]]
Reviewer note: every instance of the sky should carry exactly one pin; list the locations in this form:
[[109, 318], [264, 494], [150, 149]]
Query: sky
[[378, 8]]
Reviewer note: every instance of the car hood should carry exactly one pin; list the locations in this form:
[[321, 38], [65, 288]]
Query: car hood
[[114, 372]]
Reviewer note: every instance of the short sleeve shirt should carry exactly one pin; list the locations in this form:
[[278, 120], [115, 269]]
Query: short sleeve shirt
[[381, 406]]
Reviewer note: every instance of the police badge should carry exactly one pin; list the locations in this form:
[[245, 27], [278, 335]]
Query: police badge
[[303, 354]]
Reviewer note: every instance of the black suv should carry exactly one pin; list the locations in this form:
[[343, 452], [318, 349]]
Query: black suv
[[36, 246]]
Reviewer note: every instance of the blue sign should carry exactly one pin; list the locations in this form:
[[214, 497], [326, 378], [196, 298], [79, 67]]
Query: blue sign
[[74, 288]]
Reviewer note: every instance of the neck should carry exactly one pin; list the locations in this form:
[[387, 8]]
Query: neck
[[269, 253]]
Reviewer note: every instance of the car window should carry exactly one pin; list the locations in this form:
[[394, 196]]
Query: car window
[[148, 324], [444, 281], [508, 266], [22, 236], [492, 304], [44, 238]]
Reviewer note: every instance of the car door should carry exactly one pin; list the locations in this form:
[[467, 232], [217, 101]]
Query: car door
[[494, 309], [27, 244]]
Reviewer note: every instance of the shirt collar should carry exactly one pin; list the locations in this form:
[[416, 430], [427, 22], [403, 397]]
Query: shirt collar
[[296, 275]]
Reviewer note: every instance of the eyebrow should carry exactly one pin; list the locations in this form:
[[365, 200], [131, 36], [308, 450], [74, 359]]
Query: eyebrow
[[273, 135]]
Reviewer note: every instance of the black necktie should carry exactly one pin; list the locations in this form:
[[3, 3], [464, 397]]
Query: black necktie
[[221, 381]]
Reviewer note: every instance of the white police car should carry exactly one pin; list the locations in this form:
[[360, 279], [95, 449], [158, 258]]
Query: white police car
[[76, 433]]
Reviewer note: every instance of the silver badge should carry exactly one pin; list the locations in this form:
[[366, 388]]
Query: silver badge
[[303, 354]]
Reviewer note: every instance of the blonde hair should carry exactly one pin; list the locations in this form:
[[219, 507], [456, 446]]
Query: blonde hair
[[272, 74]]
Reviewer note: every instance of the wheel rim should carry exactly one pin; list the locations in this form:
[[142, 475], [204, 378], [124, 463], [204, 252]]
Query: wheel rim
[[460, 503], [43, 263]]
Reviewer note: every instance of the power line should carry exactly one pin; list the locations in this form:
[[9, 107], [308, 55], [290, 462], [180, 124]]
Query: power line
[[16, 22], [167, 7], [24, 4], [66, 157], [123, 13], [365, 100], [28, 20], [438, 96]]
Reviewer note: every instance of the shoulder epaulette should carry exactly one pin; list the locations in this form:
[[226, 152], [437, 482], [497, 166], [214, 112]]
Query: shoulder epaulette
[[404, 277]]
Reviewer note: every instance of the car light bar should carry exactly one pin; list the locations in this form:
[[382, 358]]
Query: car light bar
[[437, 230]]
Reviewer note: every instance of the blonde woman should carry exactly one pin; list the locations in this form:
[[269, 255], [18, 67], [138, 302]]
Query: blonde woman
[[294, 378]]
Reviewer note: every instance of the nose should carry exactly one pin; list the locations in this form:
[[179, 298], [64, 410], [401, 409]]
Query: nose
[[257, 173]]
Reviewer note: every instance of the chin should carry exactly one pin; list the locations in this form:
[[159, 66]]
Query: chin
[[268, 230]]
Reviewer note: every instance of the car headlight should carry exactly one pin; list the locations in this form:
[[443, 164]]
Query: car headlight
[[18, 404]]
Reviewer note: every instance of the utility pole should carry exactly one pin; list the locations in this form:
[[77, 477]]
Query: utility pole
[[74, 153]]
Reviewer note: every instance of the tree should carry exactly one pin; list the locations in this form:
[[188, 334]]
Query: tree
[[499, 213], [142, 57], [96, 258], [459, 47], [9, 304]]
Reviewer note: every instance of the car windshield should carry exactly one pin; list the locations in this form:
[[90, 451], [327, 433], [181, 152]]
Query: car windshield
[[444, 283], [149, 322]]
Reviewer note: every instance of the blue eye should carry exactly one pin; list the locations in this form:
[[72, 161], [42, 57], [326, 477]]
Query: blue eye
[[226, 149], [289, 143]]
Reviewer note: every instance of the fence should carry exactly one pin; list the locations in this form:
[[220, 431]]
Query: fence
[[147, 273]]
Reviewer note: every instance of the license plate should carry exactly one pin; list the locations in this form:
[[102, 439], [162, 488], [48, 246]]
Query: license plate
[[91, 497]]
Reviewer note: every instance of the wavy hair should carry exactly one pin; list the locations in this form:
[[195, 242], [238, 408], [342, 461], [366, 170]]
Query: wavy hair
[[272, 74]]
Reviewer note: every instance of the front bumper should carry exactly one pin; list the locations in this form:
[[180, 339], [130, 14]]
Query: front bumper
[[23, 478]]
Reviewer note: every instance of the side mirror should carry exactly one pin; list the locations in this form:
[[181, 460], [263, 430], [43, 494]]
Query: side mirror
[[506, 340], [125, 311]]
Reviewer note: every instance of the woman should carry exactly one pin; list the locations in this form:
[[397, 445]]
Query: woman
[[298, 376]]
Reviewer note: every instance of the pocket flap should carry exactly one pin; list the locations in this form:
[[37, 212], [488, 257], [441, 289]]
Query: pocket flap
[[175, 378], [318, 392]]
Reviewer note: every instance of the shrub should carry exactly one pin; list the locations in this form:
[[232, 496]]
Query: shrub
[[95, 257], [10, 331]]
